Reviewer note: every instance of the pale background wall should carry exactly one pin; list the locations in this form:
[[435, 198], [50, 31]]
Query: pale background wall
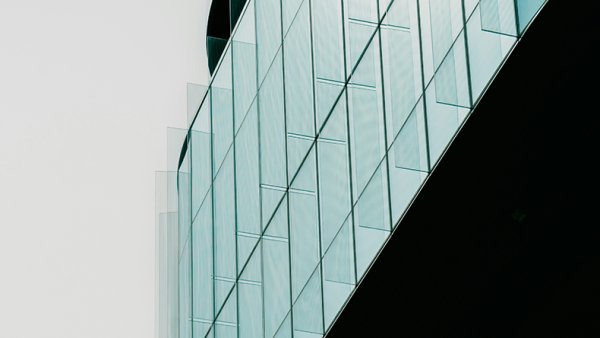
[[87, 89]]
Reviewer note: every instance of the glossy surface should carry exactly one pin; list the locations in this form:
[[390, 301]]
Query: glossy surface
[[322, 121]]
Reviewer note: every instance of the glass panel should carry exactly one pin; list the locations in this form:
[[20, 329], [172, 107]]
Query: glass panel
[[184, 216], [361, 22], [338, 271], [367, 128], [276, 262], [526, 10], [224, 231], [398, 13], [308, 308], [285, 329], [244, 79], [185, 293], [222, 111], [272, 139], [487, 49], [215, 47], [298, 90], [408, 163], [372, 220], [304, 225], [202, 269], [226, 324], [498, 16], [246, 27], [250, 288], [401, 65], [451, 79], [290, 11], [268, 33], [443, 121], [247, 186], [200, 148], [441, 23], [184, 213], [167, 251], [328, 55], [334, 178], [195, 95]]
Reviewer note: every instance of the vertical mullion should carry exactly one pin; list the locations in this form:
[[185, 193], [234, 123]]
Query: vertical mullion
[[517, 24], [387, 164], [260, 204], [317, 190], [345, 89], [468, 61], [191, 152], [287, 178], [212, 206], [235, 208], [423, 95]]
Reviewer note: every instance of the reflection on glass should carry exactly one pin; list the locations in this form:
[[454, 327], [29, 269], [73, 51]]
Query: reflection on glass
[[322, 121]]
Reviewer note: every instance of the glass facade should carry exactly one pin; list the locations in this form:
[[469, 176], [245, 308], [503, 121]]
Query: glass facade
[[322, 121]]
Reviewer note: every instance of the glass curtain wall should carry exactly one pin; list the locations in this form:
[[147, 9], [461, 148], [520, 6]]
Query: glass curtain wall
[[322, 121]]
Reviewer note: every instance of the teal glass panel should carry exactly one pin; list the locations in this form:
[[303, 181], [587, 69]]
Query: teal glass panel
[[298, 90], [372, 223], [362, 10], [200, 145], [244, 64], [443, 121], [308, 308], [276, 278], [224, 231], [247, 173], [195, 95], [408, 162], [361, 23], [289, 10], [244, 79], [202, 269], [222, 111], [285, 329], [339, 277], [327, 94], [250, 289], [367, 126], [487, 50], [185, 293], [470, 7], [268, 34], [398, 13], [272, 139], [226, 324], [184, 214], [441, 24], [304, 225], [401, 65], [451, 79], [498, 16], [526, 10], [334, 174], [329, 55], [361, 35]]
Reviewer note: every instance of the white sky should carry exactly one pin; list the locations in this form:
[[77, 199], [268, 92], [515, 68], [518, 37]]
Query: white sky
[[87, 89]]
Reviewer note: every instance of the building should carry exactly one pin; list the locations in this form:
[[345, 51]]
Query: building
[[322, 122]]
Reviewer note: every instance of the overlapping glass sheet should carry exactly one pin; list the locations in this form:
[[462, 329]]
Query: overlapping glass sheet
[[321, 123]]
